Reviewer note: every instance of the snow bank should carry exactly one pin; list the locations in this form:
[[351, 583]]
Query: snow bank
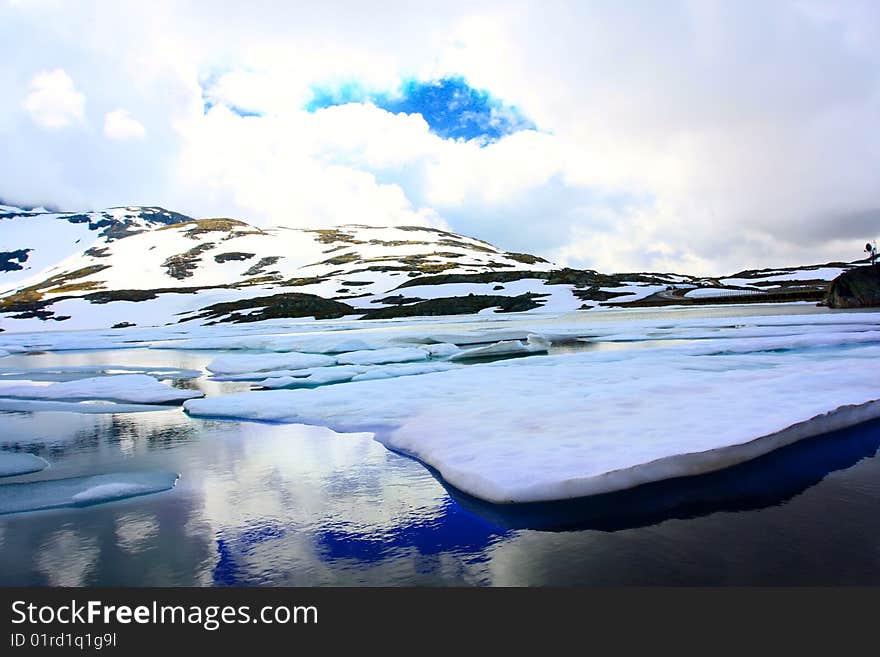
[[578, 424], [15, 463], [138, 388], [82, 491]]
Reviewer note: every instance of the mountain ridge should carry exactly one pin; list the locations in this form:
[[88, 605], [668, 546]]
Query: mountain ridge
[[145, 265]]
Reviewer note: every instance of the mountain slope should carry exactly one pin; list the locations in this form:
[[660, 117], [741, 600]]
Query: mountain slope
[[33, 241], [149, 266]]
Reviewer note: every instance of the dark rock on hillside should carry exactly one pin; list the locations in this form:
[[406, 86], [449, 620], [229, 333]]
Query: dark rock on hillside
[[274, 307], [459, 306], [261, 265], [485, 277], [397, 300], [114, 229], [12, 260], [857, 288], [579, 278], [109, 296], [181, 266], [232, 255], [596, 294], [525, 258]]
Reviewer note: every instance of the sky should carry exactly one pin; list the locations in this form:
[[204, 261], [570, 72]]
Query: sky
[[690, 136]]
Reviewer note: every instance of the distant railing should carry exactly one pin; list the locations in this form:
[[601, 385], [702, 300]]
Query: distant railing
[[726, 293], [727, 296], [752, 296]]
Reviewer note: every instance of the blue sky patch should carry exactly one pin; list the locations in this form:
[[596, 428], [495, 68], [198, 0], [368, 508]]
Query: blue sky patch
[[232, 108], [209, 99], [450, 106]]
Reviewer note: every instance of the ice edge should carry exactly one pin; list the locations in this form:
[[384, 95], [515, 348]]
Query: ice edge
[[694, 463]]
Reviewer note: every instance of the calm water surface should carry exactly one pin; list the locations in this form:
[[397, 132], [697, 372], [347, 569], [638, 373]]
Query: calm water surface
[[264, 504]]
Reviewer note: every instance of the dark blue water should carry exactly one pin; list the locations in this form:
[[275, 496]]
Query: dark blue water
[[261, 504]]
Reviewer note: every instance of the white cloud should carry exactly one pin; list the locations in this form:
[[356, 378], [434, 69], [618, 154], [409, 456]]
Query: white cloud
[[287, 170], [700, 137], [119, 124], [53, 102]]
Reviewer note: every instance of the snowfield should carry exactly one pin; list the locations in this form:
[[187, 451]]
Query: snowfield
[[146, 266]]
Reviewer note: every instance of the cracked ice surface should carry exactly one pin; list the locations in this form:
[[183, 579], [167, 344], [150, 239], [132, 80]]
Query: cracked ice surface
[[563, 426]]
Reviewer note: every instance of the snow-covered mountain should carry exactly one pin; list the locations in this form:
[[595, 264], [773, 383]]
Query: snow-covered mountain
[[150, 266]]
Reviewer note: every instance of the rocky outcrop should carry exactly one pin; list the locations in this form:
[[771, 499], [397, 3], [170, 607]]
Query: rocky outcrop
[[275, 306], [857, 288], [472, 303]]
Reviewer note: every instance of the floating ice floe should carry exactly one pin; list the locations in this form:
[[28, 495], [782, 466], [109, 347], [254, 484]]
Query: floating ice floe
[[138, 388], [577, 424], [441, 350], [90, 408], [240, 363], [478, 336], [82, 491], [381, 356], [319, 344], [403, 369], [256, 367], [534, 345], [16, 463], [329, 371], [75, 372], [313, 377], [344, 373]]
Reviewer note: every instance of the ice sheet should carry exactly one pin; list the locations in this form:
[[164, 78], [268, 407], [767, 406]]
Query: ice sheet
[[82, 491], [16, 463], [504, 348], [74, 372], [582, 423], [90, 408], [313, 377], [403, 369], [381, 356], [137, 388], [241, 363]]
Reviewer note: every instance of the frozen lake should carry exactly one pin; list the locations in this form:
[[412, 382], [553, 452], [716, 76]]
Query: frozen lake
[[260, 503]]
